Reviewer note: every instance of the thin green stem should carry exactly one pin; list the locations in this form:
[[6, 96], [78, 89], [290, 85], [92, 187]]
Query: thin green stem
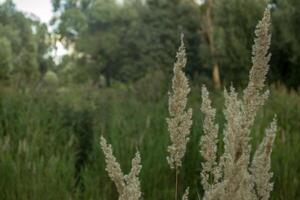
[[176, 187]]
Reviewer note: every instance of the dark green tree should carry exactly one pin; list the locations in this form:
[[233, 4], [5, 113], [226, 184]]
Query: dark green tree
[[286, 42], [123, 41], [235, 22], [24, 41], [165, 21], [5, 58]]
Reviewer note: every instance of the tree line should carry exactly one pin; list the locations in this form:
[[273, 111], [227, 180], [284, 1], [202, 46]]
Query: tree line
[[123, 41]]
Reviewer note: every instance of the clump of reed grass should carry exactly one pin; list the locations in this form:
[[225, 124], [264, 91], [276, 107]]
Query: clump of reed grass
[[233, 175]]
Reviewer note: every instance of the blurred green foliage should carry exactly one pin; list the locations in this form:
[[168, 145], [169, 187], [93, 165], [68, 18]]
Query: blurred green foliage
[[125, 41], [24, 44], [122, 41]]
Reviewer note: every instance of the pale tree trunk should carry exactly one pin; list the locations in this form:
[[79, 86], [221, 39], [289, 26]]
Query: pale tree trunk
[[216, 76], [209, 31]]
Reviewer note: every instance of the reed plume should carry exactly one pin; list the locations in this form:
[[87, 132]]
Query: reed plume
[[180, 120], [128, 186], [229, 177]]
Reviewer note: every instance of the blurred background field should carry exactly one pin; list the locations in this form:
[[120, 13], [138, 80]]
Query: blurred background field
[[114, 80], [50, 143]]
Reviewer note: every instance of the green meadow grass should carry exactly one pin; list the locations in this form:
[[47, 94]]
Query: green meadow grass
[[49, 143]]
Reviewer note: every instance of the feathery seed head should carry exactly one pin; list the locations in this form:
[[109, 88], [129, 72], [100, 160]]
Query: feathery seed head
[[186, 194], [261, 164], [179, 122], [112, 166], [128, 186], [208, 142]]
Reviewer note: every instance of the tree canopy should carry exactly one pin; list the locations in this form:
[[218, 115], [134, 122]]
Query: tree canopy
[[123, 41]]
